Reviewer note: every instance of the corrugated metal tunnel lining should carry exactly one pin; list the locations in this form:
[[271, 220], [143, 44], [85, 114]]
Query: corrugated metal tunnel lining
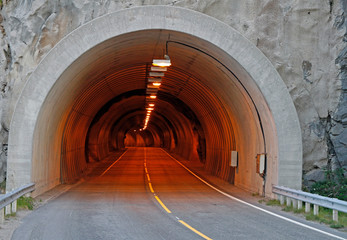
[[201, 114]]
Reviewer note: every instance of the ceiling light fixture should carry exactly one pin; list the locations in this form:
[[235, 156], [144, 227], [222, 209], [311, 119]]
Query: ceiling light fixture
[[166, 62], [159, 66], [154, 79], [158, 69], [156, 74]]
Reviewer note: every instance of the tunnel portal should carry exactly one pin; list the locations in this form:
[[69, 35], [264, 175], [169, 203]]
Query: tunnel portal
[[87, 100]]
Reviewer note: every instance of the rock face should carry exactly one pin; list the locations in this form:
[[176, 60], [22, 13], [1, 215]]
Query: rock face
[[304, 40]]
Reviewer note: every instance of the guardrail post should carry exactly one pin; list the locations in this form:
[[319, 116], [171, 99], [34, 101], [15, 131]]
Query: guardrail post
[[315, 209], [295, 203], [299, 204], [2, 215], [307, 207], [288, 201], [8, 209], [14, 206], [281, 199], [335, 215]]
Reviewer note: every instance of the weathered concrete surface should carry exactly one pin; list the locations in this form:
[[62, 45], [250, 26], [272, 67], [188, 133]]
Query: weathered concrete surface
[[303, 40]]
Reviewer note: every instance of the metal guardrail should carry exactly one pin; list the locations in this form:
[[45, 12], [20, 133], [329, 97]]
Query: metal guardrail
[[309, 198], [9, 202]]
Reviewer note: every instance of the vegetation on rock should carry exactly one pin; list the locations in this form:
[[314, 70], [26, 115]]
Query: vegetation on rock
[[335, 185]]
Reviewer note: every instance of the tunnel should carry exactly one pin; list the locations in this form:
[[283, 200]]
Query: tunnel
[[87, 100]]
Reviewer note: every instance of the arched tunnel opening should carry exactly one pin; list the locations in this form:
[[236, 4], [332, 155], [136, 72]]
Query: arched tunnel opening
[[221, 96], [202, 111]]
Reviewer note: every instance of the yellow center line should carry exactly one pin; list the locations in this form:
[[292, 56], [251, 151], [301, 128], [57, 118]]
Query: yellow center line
[[194, 230], [113, 163], [148, 178], [162, 204], [168, 210], [150, 187]]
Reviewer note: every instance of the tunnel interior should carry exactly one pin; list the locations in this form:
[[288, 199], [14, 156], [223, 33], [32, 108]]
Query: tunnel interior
[[206, 107]]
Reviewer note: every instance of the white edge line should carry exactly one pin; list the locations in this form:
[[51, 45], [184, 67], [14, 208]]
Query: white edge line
[[253, 206], [113, 163]]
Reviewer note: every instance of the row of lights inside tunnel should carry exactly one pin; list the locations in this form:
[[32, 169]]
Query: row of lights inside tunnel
[[158, 68]]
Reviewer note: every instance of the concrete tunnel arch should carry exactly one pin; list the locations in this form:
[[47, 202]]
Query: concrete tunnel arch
[[236, 94]]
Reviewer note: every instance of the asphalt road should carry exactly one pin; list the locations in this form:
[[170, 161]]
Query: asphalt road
[[146, 194]]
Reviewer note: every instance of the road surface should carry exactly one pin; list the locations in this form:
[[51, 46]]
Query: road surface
[[146, 194]]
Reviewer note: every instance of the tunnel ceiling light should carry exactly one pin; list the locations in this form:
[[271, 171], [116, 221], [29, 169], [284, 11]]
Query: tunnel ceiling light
[[149, 99], [158, 69], [154, 79], [156, 74], [151, 92], [154, 83], [152, 86], [162, 62], [153, 89]]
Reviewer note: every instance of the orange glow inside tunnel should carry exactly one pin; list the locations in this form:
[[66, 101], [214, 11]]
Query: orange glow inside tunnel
[[200, 113]]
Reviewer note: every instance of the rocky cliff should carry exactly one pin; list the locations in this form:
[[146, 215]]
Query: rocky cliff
[[304, 40]]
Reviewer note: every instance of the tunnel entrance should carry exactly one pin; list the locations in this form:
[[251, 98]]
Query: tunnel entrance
[[119, 124], [86, 99]]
